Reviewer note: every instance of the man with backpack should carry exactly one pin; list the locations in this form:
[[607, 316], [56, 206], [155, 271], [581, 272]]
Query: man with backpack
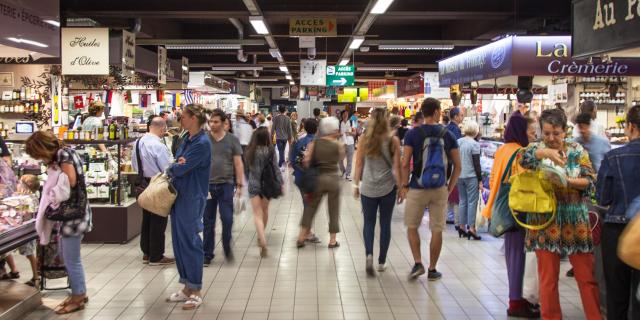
[[431, 147]]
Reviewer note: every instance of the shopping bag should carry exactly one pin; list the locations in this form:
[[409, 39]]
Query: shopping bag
[[481, 221], [501, 218], [239, 204], [159, 195]]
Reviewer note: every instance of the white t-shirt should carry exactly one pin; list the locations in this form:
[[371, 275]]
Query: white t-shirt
[[596, 129], [344, 128]]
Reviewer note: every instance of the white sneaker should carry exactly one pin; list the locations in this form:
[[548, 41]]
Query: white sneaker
[[382, 267]]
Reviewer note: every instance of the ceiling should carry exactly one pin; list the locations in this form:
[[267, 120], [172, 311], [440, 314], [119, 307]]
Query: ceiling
[[462, 23]]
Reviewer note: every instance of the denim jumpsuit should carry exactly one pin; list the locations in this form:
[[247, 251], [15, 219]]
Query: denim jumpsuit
[[191, 180]]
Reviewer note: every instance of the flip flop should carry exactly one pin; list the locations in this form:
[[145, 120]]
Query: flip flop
[[334, 245]]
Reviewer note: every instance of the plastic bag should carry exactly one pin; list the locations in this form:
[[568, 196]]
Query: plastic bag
[[239, 205]]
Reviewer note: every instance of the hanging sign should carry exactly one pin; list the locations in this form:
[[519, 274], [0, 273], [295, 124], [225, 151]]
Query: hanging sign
[[85, 51], [185, 70], [162, 65], [307, 42], [313, 72], [340, 76], [128, 53], [313, 26], [411, 86], [605, 26]]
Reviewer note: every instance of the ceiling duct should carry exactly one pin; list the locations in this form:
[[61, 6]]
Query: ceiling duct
[[236, 23]]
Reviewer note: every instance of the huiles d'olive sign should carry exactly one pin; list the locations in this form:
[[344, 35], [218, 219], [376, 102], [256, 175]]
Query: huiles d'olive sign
[[85, 51], [601, 26], [528, 56]]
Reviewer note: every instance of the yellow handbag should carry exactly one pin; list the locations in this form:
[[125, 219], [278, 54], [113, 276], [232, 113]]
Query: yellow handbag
[[531, 194]]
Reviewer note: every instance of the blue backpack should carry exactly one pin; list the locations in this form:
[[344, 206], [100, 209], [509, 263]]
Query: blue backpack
[[432, 173]]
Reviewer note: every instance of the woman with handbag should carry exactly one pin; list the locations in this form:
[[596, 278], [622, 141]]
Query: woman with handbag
[[265, 181], [515, 137], [324, 153], [190, 177], [569, 234], [74, 213], [378, 156]]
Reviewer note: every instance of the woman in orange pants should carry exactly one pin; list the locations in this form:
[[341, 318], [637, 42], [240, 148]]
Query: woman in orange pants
[[570, 233]]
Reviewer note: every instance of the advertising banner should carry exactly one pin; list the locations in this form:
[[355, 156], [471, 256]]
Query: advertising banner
[[486, 62], [411, 86], [85, 51]]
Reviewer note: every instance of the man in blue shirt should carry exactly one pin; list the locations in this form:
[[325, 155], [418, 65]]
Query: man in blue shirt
[[155, 157], [418, 198], [455, 117], [597, 146]]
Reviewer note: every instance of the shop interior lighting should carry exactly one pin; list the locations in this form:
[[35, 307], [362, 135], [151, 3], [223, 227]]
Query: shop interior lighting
[[27, 41], [292, 83], [383, 68], [289, 77], [381, 6], [213, 46], [237, 68], [258, 24], [275, 53], [284, 69], [344, 62], [416, 47], [53, 23], [356, 42]]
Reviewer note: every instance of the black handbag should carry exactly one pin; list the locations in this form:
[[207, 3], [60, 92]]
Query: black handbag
[[73, 208], [271, 188]]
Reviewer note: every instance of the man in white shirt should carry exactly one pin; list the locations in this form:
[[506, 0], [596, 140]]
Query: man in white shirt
[[347, 134], [242, 130], [596, 128], [154, 158]]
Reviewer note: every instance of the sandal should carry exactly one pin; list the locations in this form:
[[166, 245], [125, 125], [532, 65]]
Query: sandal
[[334, 245], [193, 302], [263, 252], [313, 239], [14, 275], [35, 281], [300, 244], [178, 297], [68, 306]]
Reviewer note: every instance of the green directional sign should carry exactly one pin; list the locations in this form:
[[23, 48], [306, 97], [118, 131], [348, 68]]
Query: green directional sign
[[340, 76]]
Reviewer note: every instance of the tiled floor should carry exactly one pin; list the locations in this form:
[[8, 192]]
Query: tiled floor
[[310, 283]]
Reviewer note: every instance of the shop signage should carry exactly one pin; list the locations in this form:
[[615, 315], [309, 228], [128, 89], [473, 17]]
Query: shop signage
[[162, 65], [527, 56], [307, 42], [185, 70], [313, 72], [24, 19], [313, 26], [28, 60], [340, 76], [382, 89], [432, 86], [411, 86], [604, 26], [85, 51], [128, 53]]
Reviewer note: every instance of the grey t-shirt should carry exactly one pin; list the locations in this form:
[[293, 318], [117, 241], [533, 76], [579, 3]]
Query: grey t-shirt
[[468, 147], [222, 153], [377, 175]]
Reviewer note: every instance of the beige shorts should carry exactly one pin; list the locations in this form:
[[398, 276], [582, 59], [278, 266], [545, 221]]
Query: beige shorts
[[420, 199]]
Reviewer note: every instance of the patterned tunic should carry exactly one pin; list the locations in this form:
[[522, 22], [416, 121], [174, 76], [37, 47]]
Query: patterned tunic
[[571, 231], [76, 227]]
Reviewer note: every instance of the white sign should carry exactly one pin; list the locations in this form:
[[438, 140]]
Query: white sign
[[313, 72], [432, 86], [128, 53], [557, 93], [185, 70], [307, 42], [85, 51], [162, 65]]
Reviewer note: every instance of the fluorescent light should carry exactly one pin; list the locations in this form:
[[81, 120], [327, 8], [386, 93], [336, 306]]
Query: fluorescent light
[[236, 68], [203, 46], [382, 68], [284, 69], [356, 42], [53, 23], [275, 53], [289, 77], [416, 47], [344, 62], [185, 68], [27, 41], [258, 24], [381, 6], [292, 83]]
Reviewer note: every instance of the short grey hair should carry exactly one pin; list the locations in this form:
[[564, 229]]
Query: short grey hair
[[329, 125], [470, 128], [554, 117], [158, 122]]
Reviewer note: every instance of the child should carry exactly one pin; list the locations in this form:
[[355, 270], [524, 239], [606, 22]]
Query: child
[[29, 185]]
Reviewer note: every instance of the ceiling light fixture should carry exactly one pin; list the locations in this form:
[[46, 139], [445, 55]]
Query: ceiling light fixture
[[292, 83], [27, 41], [289, 77], [416, 47], [275, 53], [356, 42], [203, 46], [344, 62], [381, 6], [382, 68], [53, 23], [258, 24], [284, 69], [237, 68]]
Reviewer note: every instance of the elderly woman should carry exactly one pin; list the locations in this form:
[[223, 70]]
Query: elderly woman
[[190, 174], [470, 181], [324, 153], [569, 234]]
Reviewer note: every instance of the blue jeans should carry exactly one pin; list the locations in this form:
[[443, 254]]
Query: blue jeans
[[282, 144], [186, 224], [469, 195], [370, 210], [221, 196], [70, 247]]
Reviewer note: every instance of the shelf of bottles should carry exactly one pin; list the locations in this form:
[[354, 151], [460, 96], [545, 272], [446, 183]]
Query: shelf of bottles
[[110, 131], [602, 97], [601, 80], [20, 101]]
